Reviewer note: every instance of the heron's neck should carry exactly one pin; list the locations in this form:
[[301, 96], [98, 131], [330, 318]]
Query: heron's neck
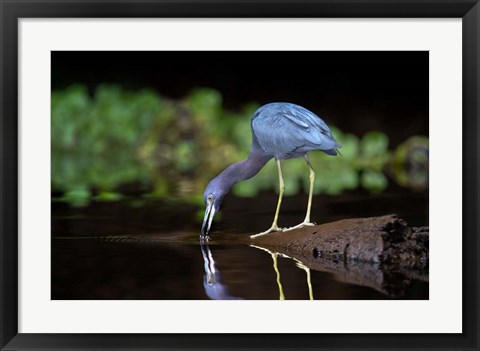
[[243, 170]]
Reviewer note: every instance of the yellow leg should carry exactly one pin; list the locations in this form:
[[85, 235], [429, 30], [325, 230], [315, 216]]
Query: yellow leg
[[275, 227], [307, 222]]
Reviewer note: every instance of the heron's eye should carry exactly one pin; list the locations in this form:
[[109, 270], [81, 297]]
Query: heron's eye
[[210, 197]]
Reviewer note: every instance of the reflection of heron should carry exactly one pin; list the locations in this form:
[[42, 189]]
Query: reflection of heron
[[279, 282], [309, 281], [280, 130], [298, 263], [214, 289]]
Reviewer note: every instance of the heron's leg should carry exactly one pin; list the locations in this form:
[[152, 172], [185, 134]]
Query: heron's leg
[[307, 222], [280, 195], [275, 227]]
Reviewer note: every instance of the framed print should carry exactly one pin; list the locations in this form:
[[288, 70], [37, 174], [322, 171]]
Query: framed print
[[158, 156]]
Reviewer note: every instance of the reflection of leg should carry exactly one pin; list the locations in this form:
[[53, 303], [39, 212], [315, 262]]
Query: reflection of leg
[[275, 227], [307, 222], [279, 283], [309, 281]]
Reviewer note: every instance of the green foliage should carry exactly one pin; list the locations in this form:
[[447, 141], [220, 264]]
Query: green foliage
[[95, 140], [409, 164], [374, 181], [117, 137]]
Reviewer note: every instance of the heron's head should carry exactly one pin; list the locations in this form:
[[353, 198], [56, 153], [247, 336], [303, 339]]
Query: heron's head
[[212, 197]]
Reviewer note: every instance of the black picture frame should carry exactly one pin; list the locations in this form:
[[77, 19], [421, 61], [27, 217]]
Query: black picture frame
[[11, 11]]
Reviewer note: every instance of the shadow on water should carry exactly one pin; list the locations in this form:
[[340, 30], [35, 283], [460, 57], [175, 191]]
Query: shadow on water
[[115, 251]]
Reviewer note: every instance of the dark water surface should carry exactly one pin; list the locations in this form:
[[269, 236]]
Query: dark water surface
[[144, 249]]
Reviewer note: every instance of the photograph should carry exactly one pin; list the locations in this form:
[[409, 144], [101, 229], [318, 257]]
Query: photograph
[[239, 175]]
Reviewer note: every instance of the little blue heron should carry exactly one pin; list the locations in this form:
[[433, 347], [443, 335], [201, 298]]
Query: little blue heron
[[280, 130]]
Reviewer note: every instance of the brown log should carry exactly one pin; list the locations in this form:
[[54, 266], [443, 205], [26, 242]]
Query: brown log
[[386, 240]]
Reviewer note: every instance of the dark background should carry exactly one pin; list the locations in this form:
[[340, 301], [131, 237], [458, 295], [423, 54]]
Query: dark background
[[356, 91]]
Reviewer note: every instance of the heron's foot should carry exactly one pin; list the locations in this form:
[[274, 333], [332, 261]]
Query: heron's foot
[[301, 225], [273, 228]]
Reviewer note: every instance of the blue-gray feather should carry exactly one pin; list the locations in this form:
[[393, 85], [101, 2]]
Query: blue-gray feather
[[286, 130]]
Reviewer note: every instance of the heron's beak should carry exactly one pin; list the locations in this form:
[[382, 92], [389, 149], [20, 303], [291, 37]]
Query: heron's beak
[[207, 220]]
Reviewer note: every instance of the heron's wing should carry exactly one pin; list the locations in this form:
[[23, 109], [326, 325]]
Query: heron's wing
[[287, 130], [311, 128], [303, 118]]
